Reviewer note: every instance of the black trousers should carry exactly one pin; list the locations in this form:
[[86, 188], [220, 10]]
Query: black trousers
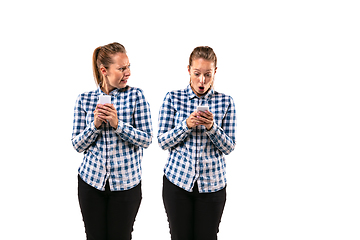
[[108, 215], [193, 215]]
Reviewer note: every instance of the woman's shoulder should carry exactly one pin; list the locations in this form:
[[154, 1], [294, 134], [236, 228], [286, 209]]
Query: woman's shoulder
[[177, 93], [136, 91], [133, 89], [223, 96], [176, 96], [88, 94], [88, 98]]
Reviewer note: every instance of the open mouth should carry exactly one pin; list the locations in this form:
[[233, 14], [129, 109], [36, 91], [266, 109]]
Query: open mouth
[[201, 88]]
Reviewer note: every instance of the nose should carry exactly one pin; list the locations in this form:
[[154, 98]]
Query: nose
[[202, 79], [127, 71]]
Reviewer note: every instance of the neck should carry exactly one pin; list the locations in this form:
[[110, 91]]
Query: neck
[[106, 89]]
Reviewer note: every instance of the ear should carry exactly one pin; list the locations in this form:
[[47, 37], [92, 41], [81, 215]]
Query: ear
[[188, 67], [215, 70], [103, 70]]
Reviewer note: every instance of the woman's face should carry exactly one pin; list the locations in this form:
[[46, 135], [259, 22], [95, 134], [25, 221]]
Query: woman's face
[[202, 74], [117, 74]]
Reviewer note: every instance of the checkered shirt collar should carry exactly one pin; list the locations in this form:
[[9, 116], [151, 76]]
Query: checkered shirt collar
[[113, 92]]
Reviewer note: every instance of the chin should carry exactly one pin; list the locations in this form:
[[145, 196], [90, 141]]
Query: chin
[[123, 84]]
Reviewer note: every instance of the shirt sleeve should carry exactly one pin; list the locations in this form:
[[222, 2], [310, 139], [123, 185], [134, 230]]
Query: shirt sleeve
[[141, 133], [170, 135], [223, 136], [83, 134]]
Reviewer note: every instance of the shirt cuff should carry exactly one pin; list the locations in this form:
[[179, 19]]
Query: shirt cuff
[[93, 128], [212, 130], [120, 127], [185, 126]]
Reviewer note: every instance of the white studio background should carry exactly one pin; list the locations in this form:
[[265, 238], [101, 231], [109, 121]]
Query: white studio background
[[292, 68]]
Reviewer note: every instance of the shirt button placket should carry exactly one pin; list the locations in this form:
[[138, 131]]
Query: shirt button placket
[[197, 144]]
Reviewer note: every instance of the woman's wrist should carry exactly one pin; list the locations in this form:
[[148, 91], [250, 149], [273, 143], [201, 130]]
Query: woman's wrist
[[212, 124]]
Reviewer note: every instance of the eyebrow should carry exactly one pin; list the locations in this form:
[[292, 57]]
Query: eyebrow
[[124, 66], [209, 70]]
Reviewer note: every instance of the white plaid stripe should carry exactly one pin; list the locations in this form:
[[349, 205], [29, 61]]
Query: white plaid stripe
[[197, 154], [112, 154]]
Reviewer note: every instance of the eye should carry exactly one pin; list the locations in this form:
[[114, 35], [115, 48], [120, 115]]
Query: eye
[[208, 75], [197, 74], [124, 68]]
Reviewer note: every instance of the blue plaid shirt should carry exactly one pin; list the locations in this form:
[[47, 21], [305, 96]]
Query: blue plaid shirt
[[108, 153], [197, 154]]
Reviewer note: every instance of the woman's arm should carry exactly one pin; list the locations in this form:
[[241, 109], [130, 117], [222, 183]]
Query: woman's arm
[[170, 135], [83, 135], [224, 137], [141, 133]]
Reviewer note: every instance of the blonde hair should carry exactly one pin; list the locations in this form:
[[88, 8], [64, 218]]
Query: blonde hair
[[103, 56], [203, 52]]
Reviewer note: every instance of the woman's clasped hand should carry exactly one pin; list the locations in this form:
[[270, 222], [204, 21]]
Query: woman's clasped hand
[[198, 118], [104, 113]]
